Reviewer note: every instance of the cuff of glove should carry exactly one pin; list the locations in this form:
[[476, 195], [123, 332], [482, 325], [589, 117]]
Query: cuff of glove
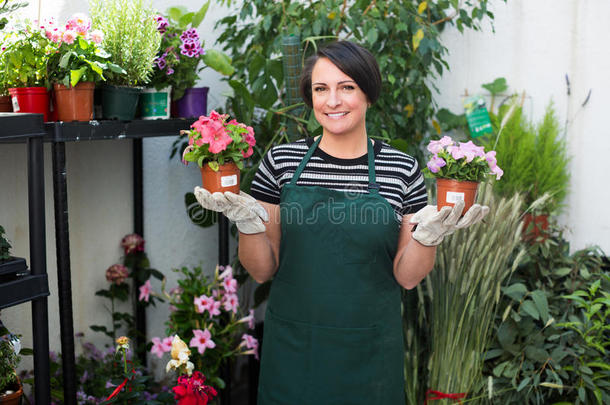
[[250, 226], [427, 238]]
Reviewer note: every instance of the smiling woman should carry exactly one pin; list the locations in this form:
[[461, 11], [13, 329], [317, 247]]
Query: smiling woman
[[339, 264]]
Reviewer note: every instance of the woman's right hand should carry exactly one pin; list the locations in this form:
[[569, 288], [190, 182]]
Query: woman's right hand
[[241, 208]]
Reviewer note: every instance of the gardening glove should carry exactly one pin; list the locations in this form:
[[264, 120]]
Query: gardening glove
[[432, 225], [240, 208]]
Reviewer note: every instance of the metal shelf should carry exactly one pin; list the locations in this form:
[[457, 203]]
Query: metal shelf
[[23, 289]]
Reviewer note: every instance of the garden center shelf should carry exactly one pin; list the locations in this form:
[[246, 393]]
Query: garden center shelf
[[58, 133], [31, 285]]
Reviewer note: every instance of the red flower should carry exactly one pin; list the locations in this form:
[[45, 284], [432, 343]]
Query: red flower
[[192, 390]]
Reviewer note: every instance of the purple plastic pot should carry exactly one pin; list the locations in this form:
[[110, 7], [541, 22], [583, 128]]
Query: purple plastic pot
[[194, 103]]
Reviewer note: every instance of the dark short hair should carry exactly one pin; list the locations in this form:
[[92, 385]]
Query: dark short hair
[[353, 60]]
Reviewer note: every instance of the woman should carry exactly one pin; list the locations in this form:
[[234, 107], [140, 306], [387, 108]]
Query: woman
[[325, 222]]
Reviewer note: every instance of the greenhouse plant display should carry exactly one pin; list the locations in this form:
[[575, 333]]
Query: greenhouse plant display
[[77, 65], [132, 49]]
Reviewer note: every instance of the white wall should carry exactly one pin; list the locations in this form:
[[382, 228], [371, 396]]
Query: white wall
[[536, 43]]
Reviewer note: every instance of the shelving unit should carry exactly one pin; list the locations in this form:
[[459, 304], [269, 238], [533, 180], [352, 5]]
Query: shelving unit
[[32, 285], [58, 133]]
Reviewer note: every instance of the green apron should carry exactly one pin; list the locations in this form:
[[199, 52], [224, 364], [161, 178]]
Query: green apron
[[333, 326]]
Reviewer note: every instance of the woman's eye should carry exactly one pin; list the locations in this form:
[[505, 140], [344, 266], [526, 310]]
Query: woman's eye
[[348, 87], [318, 89]]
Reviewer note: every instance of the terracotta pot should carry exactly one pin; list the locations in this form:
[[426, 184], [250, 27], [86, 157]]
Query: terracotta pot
[[5, 104], [225, 179], [539, 228], [448, 192], [74, 103], [14, 398]]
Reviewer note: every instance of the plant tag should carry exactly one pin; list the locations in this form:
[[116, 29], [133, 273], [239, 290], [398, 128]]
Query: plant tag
[[228, 181], [15, 104], [477, 116], [453, 197]]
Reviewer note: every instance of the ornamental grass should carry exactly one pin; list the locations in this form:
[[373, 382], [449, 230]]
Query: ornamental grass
[[449, 317]]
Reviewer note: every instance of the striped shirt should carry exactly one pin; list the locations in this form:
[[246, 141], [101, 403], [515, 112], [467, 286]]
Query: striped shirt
[[398, 175]]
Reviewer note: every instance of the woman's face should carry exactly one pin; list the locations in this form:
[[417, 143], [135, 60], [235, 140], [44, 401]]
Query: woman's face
[[338, 103]]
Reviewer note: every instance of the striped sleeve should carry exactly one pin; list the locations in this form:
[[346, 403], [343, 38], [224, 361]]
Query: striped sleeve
[[416, 197], [265, 186]]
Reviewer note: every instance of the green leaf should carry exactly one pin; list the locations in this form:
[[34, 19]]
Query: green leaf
[[523, 383], [186, 19], [541, 304], [496, 87], [176, 12], [400, 144], [536, 354], [529, 307], [218, 61], [371, 36], [65, 59], [200, 15], [75, 75], [515, 291]]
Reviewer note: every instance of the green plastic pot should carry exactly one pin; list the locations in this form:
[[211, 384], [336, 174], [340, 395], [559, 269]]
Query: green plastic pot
[[120, 102]]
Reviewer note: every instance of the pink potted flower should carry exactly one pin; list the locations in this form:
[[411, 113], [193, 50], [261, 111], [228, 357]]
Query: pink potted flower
[[219, 147], [458, 169]]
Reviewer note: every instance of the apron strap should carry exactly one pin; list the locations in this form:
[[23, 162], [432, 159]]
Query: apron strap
[[373, 187]]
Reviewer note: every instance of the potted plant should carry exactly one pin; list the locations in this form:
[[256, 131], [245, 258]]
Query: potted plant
[[25, 53], [10, 386], [534, 157], [5, 100], [219, 147], [458, 169], [8, 264], [78, 64], [132, 39], [178, 63]]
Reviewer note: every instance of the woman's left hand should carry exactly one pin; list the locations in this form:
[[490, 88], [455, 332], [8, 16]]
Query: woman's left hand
[[433, 225]]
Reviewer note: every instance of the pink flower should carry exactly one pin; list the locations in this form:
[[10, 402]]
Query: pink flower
[[97, 36], [80, 23], [202, 340], [132, 243], [161, 346], [117, 273], [498, 172], [436, 146], [436, 163], [202, 303], [56, 35], [145, 291], [247, 153], [227, 271], [69, 36], [251, 343], [231, 303], [470, 151], [220, 141], [491, 159], [230, 285], [249, 319], [214, 308]]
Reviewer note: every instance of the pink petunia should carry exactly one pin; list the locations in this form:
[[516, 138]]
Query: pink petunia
[[145, 290], [498, 172], [471, 150], [437, 146], [202, 340], [227, 271], [491, 159], [247, 153], [456, 152], [436, 163], [220, 141]]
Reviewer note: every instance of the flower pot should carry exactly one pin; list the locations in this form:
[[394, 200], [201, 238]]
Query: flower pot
[[539, 228], [225, 179], [14, 398], [31, 100], [448, 192], [194, 103], [5, 104], [155, 104], [74, 103], [120, 102]]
